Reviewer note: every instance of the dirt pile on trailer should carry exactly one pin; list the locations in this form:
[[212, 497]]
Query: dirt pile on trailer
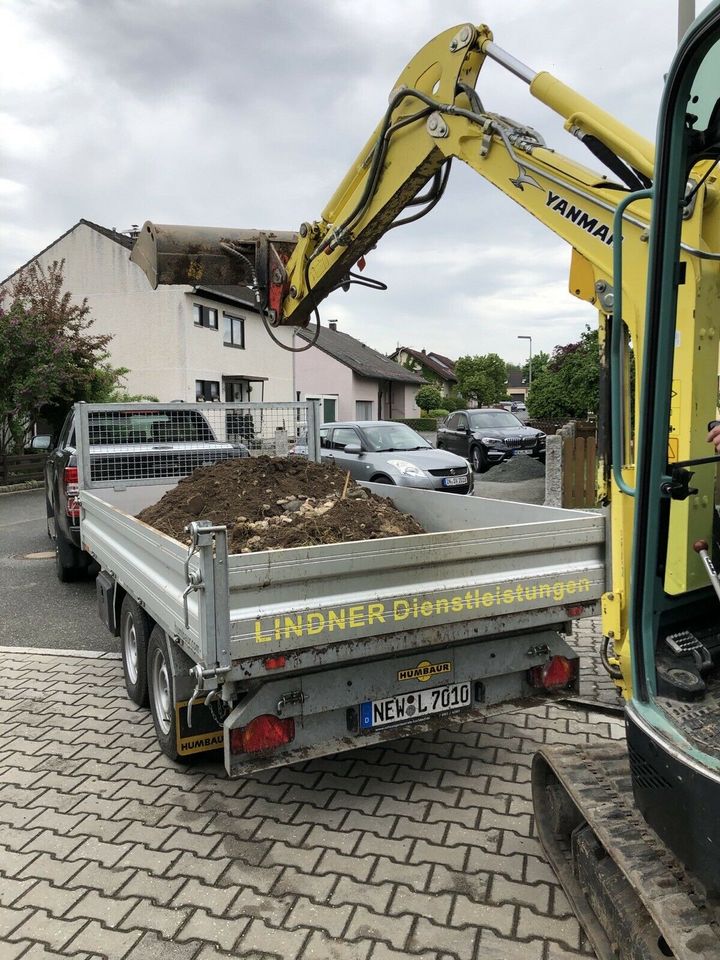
[[272, 502]]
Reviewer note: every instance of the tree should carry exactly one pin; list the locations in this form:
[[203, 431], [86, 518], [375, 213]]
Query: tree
[[428, 398], [48, 360], [539, 363], [569, 386], [482, 378]]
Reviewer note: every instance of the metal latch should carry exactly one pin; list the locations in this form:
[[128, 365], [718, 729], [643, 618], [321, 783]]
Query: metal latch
[[287, 699]]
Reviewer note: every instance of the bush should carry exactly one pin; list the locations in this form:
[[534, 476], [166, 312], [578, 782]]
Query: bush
[[423, 424], [438, 413], [428, 397], [454, 402]]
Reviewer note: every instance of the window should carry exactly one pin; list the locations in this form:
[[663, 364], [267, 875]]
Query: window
[[363, 410], [329, 406], [205, 316], [234, 335], [207, 390], [343, 436]]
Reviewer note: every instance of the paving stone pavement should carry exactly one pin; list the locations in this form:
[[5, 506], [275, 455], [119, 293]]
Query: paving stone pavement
[[420, 848]]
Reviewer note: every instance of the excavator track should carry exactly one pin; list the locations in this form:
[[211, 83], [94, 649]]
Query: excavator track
[[634, 900]]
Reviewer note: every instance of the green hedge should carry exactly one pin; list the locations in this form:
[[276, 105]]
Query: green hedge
[[420, 423]]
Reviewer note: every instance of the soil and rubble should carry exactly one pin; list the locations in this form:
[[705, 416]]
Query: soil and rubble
[[268, 503]]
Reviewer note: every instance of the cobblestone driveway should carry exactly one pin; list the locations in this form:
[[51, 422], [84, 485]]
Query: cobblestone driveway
[[422, 848]]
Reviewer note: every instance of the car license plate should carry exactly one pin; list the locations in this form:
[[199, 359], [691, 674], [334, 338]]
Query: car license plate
[[414, 706], [454, 481]]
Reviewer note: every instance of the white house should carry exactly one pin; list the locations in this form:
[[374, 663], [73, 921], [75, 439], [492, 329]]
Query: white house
[[178, 342], [353, 381]]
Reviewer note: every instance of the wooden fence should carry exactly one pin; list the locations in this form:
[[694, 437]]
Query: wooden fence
[[578, 471], [18, 468]]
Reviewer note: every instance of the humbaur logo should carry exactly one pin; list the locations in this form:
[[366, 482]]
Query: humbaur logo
[[424, 671]]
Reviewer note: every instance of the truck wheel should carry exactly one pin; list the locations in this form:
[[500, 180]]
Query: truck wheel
[[67, 558], [161, 692], [134, 636]]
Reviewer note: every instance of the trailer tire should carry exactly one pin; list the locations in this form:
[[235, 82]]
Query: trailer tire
[[135, 631], [161, 692]]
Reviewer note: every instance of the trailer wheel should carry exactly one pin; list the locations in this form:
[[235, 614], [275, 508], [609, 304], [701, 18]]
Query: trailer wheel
[[134, 635], [161, 692]]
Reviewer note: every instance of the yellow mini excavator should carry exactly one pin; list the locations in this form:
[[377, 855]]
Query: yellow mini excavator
[[632, 830]]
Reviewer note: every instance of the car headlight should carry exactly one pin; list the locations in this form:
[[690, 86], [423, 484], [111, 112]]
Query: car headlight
[[491, 441], [406, 468]]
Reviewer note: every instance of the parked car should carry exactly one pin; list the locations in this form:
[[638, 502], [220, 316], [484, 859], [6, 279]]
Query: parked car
[[382, 451], [123, 444], [487, 436]]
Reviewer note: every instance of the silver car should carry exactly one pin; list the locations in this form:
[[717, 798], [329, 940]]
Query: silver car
[[382, 451]]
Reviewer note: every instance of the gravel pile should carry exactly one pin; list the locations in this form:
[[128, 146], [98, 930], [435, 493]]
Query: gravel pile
[[514, 471]]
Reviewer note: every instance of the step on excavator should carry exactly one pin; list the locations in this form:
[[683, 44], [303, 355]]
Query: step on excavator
[[632, 829]]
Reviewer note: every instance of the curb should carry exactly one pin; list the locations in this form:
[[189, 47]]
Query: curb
[[22, 487], [52, 652]]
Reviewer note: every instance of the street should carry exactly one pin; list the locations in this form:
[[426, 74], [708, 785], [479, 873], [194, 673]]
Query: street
[[36, 610], [421, 848]]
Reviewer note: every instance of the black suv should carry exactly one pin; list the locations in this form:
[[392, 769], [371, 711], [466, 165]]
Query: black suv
[[124, 444], [487, 436]]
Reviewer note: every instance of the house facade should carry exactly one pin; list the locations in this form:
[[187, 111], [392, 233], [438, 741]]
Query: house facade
[[433, 367], [353, 381], [178, 342]]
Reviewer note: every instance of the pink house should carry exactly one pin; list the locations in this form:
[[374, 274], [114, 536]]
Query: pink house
[[353, 381]]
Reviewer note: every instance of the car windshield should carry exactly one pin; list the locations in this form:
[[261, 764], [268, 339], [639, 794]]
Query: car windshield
[[484, 419], [393, 436]]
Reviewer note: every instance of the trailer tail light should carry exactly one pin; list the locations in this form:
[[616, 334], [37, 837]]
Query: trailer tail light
[[266, 732], [71, 486], [274, 663], [553, 675], [576, 610]]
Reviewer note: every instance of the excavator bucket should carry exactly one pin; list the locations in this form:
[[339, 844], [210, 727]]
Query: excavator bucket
[[212, 255]]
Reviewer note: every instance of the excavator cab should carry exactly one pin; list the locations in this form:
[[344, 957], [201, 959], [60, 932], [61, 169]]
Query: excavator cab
[[673, 716]]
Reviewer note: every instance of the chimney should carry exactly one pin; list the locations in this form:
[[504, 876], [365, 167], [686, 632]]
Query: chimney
[[332, 324]]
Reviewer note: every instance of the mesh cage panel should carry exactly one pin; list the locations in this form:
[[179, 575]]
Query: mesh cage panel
[[141, 443]]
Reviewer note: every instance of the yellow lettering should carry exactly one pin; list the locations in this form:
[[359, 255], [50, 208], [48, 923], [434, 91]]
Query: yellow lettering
[[357, 618], [442, 605], [508, 596], [488, 599], [426, 608], [531, 593], [558, 590], [583, 585], [314, 623], [544, 591], [570, 586], [519, 593], [260, 637], [457, 604], [376, 611], [293, 627], [401, 610], [336, 619]]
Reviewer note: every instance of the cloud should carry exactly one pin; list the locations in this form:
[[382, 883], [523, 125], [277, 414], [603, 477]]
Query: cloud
[[248, 113]]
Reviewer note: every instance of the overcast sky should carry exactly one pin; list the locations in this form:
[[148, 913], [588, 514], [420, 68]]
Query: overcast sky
[[247, 113]]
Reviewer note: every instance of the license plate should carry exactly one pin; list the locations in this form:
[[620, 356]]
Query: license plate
[[454, 481], [414, 706]]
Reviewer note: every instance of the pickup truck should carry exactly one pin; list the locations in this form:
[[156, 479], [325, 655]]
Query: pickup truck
[[281, 655], [123, 442]]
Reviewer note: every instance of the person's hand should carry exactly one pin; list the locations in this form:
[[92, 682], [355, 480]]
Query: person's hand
[[714, 436]]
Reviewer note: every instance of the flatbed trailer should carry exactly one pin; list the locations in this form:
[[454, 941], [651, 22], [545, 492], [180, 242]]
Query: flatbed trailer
[[345, 644]]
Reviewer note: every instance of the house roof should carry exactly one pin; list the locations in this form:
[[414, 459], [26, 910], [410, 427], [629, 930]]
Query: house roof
[[359, 357], [114, 235], [441, 366], [515, 378]]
